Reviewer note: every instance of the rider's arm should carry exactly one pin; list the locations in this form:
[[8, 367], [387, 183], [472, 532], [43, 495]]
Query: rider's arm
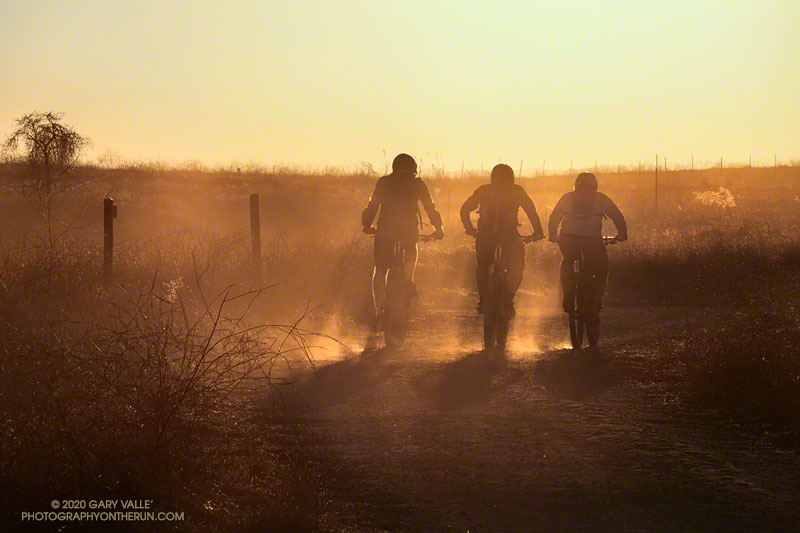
[[430, 209], [369, 212], [469, 206], [555, 220], [613, 212], [533, 216]]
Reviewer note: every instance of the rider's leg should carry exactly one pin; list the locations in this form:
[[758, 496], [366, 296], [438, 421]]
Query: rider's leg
[[379, 287], [596, 260], [570, 252], [410, 265], [383, 256], [484, 250], [515, 255]]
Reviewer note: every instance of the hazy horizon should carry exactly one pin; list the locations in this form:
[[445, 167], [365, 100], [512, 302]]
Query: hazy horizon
[[315, 84]]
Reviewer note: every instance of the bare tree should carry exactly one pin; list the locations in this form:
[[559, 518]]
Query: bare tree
[[51, 149]]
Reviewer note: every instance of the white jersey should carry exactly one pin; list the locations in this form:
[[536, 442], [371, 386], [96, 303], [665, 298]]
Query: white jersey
[[585, 223]]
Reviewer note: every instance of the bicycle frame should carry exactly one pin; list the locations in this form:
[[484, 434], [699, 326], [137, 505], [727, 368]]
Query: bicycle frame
[[495, 318], [577, 315], [397, 301], [495, 324]]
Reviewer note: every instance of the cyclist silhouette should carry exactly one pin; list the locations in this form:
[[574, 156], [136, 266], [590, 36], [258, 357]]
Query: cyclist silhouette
[[397, 195], [498, 205], [580, 214]]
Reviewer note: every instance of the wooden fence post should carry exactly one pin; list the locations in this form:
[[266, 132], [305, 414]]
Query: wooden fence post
[[447, 224], [546, 220], [109, 214], [255, 234]]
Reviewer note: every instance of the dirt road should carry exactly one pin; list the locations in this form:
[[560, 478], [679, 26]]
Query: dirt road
[[436, 437]]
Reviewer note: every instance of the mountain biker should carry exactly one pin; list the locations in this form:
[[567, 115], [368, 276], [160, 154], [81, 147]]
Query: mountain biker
[[397, 195], [498, 205], [580, 214]]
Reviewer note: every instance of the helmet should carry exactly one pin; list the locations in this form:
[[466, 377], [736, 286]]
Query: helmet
[[502, 175], [404, 162], [586, 181]]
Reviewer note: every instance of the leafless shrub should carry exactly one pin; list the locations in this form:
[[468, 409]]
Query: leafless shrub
[[145, 394], [746, 364]]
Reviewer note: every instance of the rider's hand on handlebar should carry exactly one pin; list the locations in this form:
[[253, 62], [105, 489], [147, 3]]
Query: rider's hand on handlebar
[[472, 232]]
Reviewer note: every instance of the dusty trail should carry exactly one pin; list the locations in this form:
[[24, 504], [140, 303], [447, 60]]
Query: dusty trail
[[436, 436]]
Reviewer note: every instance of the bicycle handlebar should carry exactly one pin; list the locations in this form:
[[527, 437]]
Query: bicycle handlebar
[[525, 238], [531, 238], [423, 238], [607, 240]]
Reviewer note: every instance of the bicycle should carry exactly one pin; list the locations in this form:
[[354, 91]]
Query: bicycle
[[578, 311], [399, 291], [497, 307]]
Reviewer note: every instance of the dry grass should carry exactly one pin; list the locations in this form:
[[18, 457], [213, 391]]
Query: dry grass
[[148, 390], [747, 361]]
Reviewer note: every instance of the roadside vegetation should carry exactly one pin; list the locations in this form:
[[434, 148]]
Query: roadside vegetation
[[154, 388]]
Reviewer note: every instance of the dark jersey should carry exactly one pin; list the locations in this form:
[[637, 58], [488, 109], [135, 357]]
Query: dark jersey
[[498, 207], [397, 196]]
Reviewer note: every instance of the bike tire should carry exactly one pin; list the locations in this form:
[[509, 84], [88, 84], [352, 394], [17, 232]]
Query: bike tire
[[573, 330], [580, 315], [501, 330], [489, 329], [396, 315], [492, 318]]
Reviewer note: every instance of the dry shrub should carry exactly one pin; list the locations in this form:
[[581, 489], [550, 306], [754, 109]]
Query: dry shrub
[[746, 363], [145, 394]]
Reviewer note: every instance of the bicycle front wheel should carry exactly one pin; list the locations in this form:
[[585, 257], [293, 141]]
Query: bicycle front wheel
[[489, 329], [397, 309], [578, 317]]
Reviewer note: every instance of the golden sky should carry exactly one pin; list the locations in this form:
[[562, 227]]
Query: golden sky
[[340, 82]]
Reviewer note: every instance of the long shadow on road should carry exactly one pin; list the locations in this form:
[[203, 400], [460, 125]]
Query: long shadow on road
[[335, 383], [472, 379], [576, 375]]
